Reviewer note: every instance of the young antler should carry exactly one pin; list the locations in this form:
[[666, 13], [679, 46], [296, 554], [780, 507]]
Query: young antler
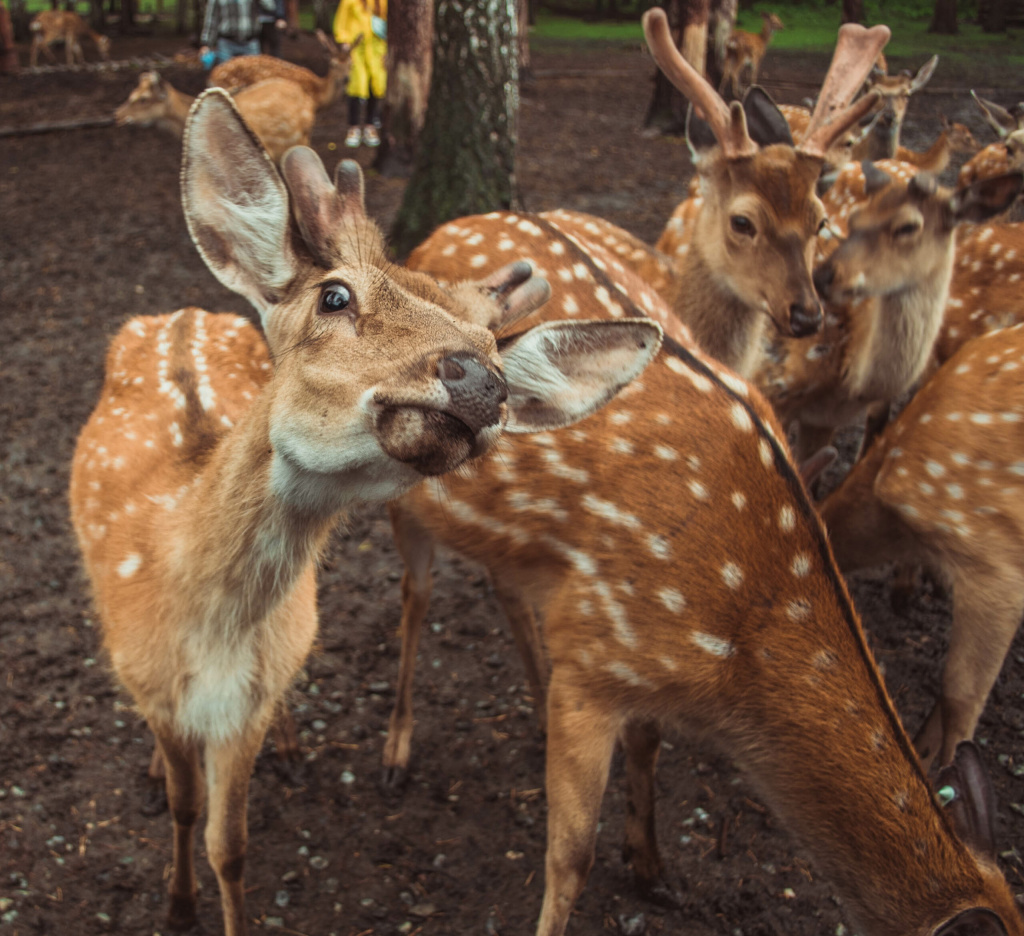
[[211, 472]]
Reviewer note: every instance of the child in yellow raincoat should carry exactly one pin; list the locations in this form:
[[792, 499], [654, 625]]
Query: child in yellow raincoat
[[368, 79]]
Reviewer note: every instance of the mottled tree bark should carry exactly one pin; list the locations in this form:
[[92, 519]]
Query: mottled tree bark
[[523, 26], [689, 22], [410, 56], [466, 159], [944, 18]]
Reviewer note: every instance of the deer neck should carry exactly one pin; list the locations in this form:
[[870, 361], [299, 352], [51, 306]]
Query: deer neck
[[892, 337], [178, 105], [723, 325], [238, 544], [330, 86]]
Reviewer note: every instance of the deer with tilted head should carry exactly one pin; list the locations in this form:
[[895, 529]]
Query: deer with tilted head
[[245, 70], [885, 290], [942, 487], [214, 467], [684, 578]]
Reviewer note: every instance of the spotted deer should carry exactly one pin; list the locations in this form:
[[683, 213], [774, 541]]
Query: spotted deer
[[1006, 154], [744, 53], [885, 290], [246, 70], [65, 26], [279, 112], [211, 472], [684, 578], [750, 256], [941, 488]]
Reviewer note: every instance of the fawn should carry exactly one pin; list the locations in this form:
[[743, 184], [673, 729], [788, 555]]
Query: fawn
[[683, 576], [52, 26], [744, 52], [278, 110], [213, 468], [940, 487]]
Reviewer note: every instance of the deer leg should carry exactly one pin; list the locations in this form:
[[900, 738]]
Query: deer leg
[[155, 798], [228, 769], [287, 754], [581, 739], [986, 613], [185, 798], [523, 623], [641, 741], [417, 551]]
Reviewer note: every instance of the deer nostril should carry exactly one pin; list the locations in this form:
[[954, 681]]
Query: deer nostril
[[450, 370], [804, 321]]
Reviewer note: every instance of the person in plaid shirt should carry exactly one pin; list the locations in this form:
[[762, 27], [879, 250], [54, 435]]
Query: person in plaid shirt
[[231, 28]]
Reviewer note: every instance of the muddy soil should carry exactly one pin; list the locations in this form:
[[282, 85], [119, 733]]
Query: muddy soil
[[91, 232]]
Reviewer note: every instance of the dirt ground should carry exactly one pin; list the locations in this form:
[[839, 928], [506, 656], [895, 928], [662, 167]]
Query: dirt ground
[[91, 232]]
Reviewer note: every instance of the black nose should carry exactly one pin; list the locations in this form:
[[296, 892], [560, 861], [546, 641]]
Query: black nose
[[823, 277], [476, 391], [804, 320]]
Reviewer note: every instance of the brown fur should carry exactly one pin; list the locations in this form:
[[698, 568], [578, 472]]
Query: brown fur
[[941, 488], [52, 26], [683, 577], [744, 52]]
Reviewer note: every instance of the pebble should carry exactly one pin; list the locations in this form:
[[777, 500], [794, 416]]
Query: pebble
[[276, 922], [635, 925], [318, 863], [348, 777], [423, 909], [282, 898]]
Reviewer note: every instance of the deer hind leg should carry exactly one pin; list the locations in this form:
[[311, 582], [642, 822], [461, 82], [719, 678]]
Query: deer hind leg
[[72, 50], [581, 739], [987, 610], [228, 770], [523, 624], [641, 742], [416, 548], [184, 779]]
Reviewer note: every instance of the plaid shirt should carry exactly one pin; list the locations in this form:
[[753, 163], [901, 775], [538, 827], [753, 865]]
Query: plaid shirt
[[230, 19]]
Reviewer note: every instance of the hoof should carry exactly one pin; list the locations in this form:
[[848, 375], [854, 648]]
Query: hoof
[[394, 779], [182, 914]]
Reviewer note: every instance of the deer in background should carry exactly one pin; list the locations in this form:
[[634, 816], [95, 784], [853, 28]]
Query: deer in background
[[246, 70], [743, 55], [212, 470], [759, 215], [885, 289], [68, 27], [1006, 154], [684, 578], [941, 487], [277, 110]]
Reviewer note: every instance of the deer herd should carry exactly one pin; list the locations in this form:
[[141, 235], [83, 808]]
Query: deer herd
[[602, 425]]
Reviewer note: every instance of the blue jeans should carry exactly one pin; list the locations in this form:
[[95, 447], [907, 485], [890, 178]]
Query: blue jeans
[[227, 48]]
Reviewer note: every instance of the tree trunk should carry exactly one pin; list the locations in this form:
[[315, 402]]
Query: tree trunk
[[944, 18], [324, 10], [853, 11], [688, 20], [410, 56], [523, 26], [8, 53], [466, 158]]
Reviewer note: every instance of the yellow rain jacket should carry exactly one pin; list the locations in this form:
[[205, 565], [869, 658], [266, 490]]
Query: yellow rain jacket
[[369, 19]]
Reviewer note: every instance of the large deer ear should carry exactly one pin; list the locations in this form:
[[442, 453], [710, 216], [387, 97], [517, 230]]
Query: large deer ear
[[236, 205], [560, 372], [966, 791], [998, 118], [924, 74], [975, 921], [985, 198]]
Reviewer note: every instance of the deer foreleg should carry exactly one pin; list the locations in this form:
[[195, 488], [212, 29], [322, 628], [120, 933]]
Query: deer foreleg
[[185, 797], [228, 769], [641, 742], [523, 624], [581, 739], [417, 551]]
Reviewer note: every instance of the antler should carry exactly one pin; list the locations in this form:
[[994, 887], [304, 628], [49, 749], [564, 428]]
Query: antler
[[728, 123], [856, 51]]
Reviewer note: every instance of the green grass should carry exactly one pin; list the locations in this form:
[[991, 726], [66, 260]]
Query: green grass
[[811, 27]]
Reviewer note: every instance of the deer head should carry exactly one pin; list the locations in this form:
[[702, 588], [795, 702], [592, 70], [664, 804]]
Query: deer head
[[761, 211]]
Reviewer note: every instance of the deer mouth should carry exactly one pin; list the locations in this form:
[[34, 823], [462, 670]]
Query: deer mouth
[[432, 441]]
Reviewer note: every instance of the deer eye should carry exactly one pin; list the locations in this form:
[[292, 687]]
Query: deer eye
[[906, 230], [741, 224], [334, 298]]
